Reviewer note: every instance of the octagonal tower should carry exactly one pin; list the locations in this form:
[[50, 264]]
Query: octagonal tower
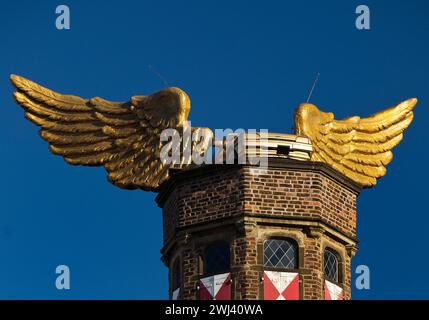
[[242, 232]]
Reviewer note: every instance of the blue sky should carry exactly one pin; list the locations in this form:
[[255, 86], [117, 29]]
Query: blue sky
[[245, 64]]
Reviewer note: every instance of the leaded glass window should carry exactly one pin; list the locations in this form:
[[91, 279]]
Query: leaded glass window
[[176, 274], [282, 254], [217, 258], [331, 266]]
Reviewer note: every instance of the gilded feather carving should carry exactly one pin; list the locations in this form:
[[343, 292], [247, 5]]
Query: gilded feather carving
[[124, 137], [359, 148]]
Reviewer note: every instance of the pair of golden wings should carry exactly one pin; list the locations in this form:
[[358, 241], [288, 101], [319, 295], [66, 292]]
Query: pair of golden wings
[[124, 137]]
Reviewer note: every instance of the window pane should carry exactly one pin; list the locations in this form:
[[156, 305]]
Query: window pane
[[331, 266], [217, 258], [177, 274], [280, 254]]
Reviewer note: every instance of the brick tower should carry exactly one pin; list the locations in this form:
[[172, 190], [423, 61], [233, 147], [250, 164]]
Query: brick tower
[[240, 232]]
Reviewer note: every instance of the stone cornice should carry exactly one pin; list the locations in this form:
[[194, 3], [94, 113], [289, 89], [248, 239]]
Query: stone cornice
[[313, 227]]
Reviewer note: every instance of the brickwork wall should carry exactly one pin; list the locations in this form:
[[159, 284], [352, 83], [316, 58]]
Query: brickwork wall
[[312, 277], [246, 276], [299, 194], [203, 200], [189, 274]]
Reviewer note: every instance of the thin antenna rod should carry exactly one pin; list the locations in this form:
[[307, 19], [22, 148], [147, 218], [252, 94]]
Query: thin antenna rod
[[159, 75], [314, 85]]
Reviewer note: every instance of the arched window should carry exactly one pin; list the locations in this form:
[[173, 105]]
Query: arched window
[[331, 268], [280, 254], [216, 258], [176, 275]]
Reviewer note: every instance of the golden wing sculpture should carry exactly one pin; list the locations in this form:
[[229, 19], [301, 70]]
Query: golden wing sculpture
[[360, 148], [124, 137]]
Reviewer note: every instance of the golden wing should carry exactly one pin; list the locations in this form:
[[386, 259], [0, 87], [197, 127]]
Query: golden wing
[[124, 137], [358, 148]]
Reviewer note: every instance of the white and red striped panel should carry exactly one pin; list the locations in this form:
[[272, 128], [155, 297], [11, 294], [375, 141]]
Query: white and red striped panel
[[281, 285], [333, 292], [217, 287], [176, 294]]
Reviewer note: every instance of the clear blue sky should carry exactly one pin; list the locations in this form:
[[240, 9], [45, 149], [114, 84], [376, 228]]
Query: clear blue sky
[[245, 64]]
